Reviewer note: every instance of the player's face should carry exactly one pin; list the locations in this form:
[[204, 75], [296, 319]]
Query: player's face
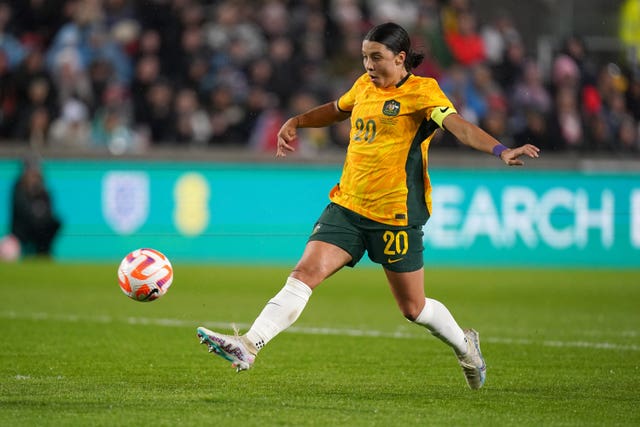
[[384, 67]]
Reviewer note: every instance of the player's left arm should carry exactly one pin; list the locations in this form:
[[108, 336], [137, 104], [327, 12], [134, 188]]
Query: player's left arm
[[474, 137], [321, 116]]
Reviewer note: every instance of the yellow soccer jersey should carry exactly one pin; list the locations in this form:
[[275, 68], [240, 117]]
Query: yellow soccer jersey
[[385, 177]]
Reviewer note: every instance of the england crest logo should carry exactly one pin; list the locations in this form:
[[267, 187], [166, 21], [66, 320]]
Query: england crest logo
[[125, 200]]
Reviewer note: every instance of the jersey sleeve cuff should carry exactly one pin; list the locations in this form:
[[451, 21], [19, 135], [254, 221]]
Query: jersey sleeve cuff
[[340, 108]]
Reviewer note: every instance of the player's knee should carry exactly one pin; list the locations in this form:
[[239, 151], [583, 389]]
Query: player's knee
[[311, 278], [410, 317], [411, 312]]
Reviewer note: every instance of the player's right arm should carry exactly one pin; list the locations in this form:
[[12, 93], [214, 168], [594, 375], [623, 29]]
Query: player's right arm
[[321, 116], [474, 137]]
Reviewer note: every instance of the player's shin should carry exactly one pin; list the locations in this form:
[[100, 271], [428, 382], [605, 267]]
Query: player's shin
[[439, 321], [279, 313]]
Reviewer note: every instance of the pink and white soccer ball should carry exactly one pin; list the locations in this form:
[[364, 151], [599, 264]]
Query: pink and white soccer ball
[[145, 274]]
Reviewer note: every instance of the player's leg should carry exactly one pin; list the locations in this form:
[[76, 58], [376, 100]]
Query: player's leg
[[408, 290], [336, 241], [400, 251], [319, 261]]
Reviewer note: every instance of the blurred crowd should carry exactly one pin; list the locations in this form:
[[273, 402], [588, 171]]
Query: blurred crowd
[[127, 75]]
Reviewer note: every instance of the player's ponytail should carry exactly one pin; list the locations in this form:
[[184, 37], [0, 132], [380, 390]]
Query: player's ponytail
[[396, 38], [413, 59]]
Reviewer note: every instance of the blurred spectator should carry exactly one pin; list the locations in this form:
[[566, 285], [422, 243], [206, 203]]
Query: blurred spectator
[[628, 136], [510, 68], [157, 114], [275, 19], [30, 69], [529, 94], [193, 125], [430, 66], [403, 12], [429, 38], [9, 101], [39, 125], [285, 67], [494, 115], [565, 73], [458, 85], [566, 130], [495, 123], [534, 130], [616, 116], [223, 72], [100, 77], [226, 117], [110, 127], [33, 83], [498, 35], [109, 130], [633, 96], [487, 88], [86, 39], [450, 14], [149, 43], [466, 44], [70, 78], [40, 20], [9, 44], [192, 49], [117, 12], [230, 25], [264, 135], [37, 110], [72, 130], [574, 47], [33, 221], [147, 72], [611, 83]]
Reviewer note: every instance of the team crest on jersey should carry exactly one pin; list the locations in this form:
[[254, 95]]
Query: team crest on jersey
[[391, 108]]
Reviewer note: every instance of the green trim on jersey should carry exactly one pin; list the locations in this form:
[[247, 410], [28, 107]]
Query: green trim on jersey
[[416, 207]]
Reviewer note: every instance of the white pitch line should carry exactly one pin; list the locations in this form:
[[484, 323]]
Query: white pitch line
[[165, 322]]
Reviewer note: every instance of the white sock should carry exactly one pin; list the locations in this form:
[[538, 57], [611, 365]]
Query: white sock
[[439, 321], [279, 313]]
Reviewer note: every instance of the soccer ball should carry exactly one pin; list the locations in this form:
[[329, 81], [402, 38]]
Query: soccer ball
[[145, 274]]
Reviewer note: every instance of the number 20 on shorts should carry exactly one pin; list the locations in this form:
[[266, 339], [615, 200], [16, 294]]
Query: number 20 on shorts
[[395, 243]]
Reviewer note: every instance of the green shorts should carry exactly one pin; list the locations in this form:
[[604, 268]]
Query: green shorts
[[396, 248]]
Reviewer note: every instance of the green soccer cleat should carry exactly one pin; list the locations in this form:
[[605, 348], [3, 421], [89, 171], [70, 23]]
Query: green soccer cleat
[[228, 347], [472, 362]]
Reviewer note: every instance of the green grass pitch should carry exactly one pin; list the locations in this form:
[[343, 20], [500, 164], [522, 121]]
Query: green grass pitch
[[561, 347]]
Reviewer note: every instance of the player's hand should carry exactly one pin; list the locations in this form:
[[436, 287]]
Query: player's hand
[[286, 135], [511, 156]]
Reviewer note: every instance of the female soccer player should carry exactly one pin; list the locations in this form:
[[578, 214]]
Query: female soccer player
[[382, 201]]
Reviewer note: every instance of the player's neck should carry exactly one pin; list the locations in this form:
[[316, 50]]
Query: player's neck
[[405, 75]]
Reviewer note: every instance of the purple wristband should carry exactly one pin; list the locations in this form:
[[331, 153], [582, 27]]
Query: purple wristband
[[498, 149]]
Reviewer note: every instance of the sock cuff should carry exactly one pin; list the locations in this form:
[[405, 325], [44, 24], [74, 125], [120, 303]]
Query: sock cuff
[[425, 316], [298, 288]]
